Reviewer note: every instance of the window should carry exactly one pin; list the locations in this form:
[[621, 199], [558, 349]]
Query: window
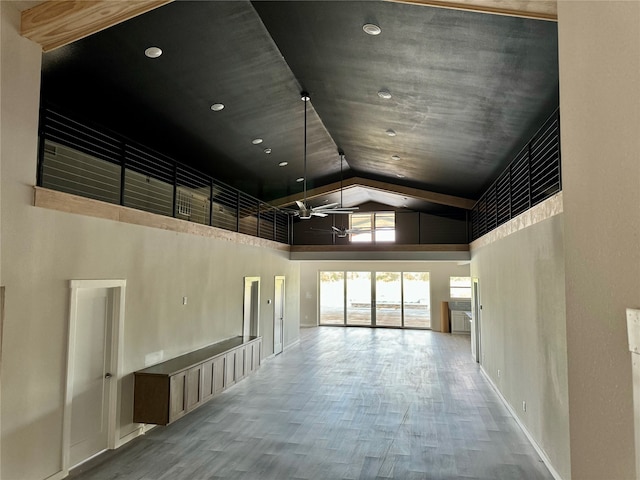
[[375, 299], [460, 287], [373, 227]]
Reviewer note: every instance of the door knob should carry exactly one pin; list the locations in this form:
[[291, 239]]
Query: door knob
[[107, 375]]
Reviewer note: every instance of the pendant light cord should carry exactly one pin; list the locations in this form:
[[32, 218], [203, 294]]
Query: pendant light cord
[[305, 98]]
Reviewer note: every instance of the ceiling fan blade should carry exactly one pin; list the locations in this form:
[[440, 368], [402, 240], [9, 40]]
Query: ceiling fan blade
[[325, 207], [319, 214], [300, 204]]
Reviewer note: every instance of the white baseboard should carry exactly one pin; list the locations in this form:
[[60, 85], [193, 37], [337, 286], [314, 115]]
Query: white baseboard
[[140, 430], [58, 476], [537, 447], [292, 344]]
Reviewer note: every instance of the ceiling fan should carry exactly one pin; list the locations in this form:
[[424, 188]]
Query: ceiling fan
[[305, 211]]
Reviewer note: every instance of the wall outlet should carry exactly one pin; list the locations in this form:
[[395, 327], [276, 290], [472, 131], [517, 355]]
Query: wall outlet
[[498, 373], [524, 406]]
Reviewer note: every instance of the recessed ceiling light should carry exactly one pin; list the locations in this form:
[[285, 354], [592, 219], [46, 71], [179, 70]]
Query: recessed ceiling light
[[216, 107], [267, 151], [391, 133], [395, 157], [283, 164], [384, 93], [371, 29], [301, 179], [399, 175], [153, 52], [256, 141]]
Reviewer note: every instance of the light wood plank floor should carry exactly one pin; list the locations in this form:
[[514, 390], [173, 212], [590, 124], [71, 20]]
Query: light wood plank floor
[[345, 403]]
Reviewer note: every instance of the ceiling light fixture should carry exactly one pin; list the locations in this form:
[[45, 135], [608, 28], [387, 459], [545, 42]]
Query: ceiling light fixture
[[399, 175], [216, 107], [385, 94], [391, 133], [153, 52], [301, 179], [267, 150], [256, 141], [395, 157], [371, 29], [283, 164]]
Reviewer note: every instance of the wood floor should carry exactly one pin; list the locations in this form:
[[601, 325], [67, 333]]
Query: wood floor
[[345, 403]]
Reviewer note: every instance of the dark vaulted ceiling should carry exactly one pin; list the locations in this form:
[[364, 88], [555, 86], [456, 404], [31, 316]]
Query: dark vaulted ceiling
[[467, 91]]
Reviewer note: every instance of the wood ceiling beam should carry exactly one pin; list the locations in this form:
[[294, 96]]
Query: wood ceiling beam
[[55, 23], [425, 195], [534, 9]]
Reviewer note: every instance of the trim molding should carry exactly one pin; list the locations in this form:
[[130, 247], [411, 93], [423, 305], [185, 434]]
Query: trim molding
[[292, 344], [550, 207], [53, 24], [385, 187], [418, 252], [522, 426], [536, 9], [66, 202]]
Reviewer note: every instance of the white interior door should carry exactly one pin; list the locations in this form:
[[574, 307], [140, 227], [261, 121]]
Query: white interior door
[[278, 315], [91, 375]]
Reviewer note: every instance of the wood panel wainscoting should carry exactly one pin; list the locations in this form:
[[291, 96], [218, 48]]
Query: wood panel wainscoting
[[165, 392]]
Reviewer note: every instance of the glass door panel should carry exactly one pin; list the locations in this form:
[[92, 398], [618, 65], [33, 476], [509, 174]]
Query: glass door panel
[[388, 299], [331, 298], [358, 298], [417, 299]]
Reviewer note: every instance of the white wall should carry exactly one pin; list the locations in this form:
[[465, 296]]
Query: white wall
[[599, 46], [439, 273], [521, 286], [43, 249]]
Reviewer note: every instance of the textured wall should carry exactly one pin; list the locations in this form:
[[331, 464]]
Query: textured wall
[[521, 287], [599, 45]]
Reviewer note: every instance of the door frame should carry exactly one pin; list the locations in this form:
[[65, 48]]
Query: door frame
[[117, 342], [254, 310], [275, 313], [476, 330]]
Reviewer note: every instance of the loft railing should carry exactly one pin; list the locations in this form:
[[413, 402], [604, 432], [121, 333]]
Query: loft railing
[[78, 159], [533, 176]]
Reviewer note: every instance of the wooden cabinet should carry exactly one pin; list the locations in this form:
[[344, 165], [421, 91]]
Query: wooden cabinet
[[212, 377], [178, 396], [165, 392], [240, 356]]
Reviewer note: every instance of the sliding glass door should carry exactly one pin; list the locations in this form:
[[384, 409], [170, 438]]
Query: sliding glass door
[[388, 299], [375, 299], [417, 299], [332, 295], [358, 298]]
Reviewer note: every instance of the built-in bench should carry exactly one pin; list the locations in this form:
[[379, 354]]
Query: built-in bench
[[165, 392]]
